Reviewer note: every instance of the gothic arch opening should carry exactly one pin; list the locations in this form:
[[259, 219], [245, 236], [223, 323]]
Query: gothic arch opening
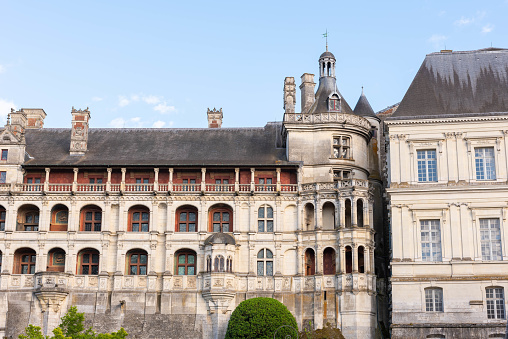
[[359, 212], [349, 260], [347, 219], [361, 260], [328, 216], [329, 261], [309, 217], [310, 262]]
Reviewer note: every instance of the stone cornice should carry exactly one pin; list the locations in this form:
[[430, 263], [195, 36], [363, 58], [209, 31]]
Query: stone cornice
[[444, 120]]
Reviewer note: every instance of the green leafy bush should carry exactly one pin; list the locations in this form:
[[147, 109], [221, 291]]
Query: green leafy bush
[[259, 318], [71, 327], [328, 332]]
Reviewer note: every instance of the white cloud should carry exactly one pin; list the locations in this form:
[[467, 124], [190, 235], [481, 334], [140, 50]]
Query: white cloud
[[117, 123], [123, 101], [441, 13], [97, 99], [2, 68], [463, 21], [151, 99], [437, 40], [5, 108], [487, 28], [159, 124], [164, 108], [129, 123]]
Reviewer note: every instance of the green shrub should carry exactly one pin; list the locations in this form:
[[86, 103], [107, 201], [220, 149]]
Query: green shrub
[[259, 318]]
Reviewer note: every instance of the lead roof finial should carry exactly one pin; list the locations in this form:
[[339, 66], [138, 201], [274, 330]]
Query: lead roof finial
[[325, 35]]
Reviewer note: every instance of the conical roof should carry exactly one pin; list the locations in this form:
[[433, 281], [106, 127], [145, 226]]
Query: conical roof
[[363, 107]]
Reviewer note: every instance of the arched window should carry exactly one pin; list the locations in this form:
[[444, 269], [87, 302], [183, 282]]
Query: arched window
[[329, 261], [208, 263], [310, 262], [309, 217], [349, 260], [434, 299], [185, 262], [137, 261], [186, 219], [348, 212], [139, 218], [359, 212], [3, 214], [229, 264], [361, 260], [265, 219], [24, 261], [265, 262], [218, 263], [91, 219], [28, 218], [59, 218], [221, 219], [88, 262], [328, 216], [56, 260]]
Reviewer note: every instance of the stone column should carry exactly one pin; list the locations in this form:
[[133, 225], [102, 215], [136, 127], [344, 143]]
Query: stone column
[[75, 182], [108, 183], [252, 183], [278, 180], [122, 184], [354, 220], [203, 179], [156, 180], [354, 255], [170, 183], [237, 179], [46, 181]]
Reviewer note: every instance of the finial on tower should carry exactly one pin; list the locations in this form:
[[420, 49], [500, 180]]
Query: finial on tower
[[362, 90], [325, 35]]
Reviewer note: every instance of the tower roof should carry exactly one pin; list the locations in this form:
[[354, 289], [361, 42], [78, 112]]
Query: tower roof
[[220, 238], [451, 83], [327, 55], [328, 86], [363, 107]]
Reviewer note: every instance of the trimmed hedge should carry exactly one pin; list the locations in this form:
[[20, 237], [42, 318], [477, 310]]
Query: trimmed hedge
[[259, 318]]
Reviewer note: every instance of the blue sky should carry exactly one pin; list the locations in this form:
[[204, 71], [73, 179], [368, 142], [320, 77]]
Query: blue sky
[[163, 63]]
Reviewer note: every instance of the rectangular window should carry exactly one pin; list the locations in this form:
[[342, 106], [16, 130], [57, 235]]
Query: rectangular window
[[427, 165], [3, 177], [495, 302], [490, 239], [431, 240], [341, 147], [485, 163], [4, 154], [433, 300]]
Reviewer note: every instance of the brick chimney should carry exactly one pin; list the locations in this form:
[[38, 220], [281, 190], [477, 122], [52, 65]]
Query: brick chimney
[[214, 118], [289, 95], [35, 117], [18, 122], [79, 131], [307, 88]]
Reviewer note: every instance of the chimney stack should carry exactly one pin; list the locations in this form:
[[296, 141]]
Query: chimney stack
[[307, 91], [289, 95], [214, 118], [79, 131], [18, 122], [35, 117]]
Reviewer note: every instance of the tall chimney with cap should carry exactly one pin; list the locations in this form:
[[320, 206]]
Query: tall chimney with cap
[[289, 95], [79, 131], [307, 91], [214, 118]]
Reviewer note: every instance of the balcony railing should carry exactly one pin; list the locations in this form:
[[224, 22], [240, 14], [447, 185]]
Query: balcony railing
[[151, 187]]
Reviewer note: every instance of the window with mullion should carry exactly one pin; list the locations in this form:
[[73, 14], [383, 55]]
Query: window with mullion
[[91, 220], [265, 219], [433, 300], [427, 165], [186, 263], [31, 221], [265, 263], [89, 263], [485, 163], [490, 235], [187, 220], [495, 303], [431, 240], [137, 263], [2, 219], [221, 221], [139, 221]]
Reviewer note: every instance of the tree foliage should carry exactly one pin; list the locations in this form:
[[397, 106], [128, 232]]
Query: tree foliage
[[71, 327], [259, 318]]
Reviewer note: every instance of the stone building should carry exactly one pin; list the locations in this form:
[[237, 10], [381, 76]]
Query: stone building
[[165, 231], [448, 174]]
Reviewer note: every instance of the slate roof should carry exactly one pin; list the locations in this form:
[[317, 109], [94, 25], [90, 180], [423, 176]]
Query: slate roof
[[327, 55], [363, 107], [220, 238], [160, 147], [456, 83], [328, 85]]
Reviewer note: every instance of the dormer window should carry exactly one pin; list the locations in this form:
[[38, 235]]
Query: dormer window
[[334, 103]]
